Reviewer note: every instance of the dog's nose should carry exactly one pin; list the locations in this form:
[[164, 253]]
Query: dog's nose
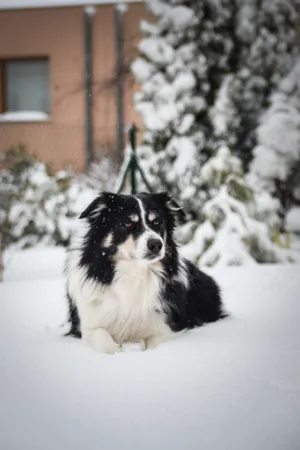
[[154, 245]]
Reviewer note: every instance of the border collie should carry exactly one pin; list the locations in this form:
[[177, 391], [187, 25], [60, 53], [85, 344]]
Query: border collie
[[125, 279]]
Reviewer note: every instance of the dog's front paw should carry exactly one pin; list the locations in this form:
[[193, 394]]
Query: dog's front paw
[[101, 341]]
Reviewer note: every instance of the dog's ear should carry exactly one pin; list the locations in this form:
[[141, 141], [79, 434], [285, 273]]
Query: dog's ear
[[94, 208], [174, 208]]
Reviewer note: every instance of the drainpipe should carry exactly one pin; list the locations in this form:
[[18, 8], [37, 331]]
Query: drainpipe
[[120, 8], [89, 12]]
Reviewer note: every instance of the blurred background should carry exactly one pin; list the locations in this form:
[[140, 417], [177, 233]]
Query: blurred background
[[213, 87]]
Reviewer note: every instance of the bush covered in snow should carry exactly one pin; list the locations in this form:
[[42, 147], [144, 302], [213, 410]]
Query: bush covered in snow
[[102, 175], [38, 206], [231, 231]]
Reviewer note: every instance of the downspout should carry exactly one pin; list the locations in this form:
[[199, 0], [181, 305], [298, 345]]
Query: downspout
[[119, 45], [89, 12]]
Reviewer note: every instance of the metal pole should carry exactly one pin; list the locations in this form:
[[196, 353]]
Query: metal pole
[[132, 140], [88, 53], [132, 136], [133, 165], [120, 81]]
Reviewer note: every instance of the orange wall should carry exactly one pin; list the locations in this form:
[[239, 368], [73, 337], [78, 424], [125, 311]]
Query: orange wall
[[58, 34]]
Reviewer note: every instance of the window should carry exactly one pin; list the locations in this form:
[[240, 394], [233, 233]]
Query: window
[[24, 86]]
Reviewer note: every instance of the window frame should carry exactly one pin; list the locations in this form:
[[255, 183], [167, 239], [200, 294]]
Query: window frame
[[3, 84]]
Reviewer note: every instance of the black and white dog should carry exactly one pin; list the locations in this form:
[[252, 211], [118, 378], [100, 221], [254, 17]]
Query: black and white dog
[[126, 280]]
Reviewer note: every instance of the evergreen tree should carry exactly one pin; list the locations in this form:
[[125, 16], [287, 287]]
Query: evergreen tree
[[265, 37], [184, 56], [276, 163], [206, 70]]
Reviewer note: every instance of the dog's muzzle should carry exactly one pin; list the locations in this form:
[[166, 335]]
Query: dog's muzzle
[[150, 247], [154, 248]]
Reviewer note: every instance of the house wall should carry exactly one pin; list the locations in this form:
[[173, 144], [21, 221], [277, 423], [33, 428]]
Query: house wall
[[58, 33]]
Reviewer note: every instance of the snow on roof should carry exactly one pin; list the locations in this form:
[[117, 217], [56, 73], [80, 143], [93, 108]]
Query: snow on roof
[[24, 4]]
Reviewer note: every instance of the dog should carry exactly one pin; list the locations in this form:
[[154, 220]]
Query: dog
[[126, 281]]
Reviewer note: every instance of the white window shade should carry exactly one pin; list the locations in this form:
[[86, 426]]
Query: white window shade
[[27, 86]]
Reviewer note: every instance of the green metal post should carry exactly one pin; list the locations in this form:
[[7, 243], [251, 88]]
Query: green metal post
[[133, 165], [132, 136], [132, 140]]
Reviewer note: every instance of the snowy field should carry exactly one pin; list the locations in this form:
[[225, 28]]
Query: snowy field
[[233, 385]]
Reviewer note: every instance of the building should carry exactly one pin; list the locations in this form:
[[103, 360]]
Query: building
[[59, 83]]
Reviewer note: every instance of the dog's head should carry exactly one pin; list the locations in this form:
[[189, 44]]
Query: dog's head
[[133, 227]]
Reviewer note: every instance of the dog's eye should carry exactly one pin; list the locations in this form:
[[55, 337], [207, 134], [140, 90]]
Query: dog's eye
[[129, 225], [155, 222]]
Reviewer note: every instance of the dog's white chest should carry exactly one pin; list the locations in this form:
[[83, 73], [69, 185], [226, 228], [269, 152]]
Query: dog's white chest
[[130, 308]]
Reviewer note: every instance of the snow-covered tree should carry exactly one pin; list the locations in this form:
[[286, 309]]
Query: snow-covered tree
[[206, 70], [183, 57], [266, 44], [276, 163], [231, 232]]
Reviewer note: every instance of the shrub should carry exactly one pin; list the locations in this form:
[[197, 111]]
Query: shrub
[[36, 205]]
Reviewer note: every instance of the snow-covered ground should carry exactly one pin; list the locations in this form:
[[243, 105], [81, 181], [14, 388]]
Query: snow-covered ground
[[233, 385]]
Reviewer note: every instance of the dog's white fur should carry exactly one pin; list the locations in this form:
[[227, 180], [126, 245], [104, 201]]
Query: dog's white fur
[[127, 310]]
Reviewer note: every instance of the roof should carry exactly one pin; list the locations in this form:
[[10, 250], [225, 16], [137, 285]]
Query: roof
[[24, 4]]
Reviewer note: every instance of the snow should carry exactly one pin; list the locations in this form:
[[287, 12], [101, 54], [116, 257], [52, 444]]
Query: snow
[[181, 17], [277, 154], [224, 162], [184, 82], [266, 207], [293, 220], [55, 201], [186, 155], [234, 384], [19, 4], [37, 263], [280, 130], [150, 117], [24, 116], [90, 10], [141, 69], [186, 123], [231, 237], [157, 50], [222, 112], [238, 222], [167, 113], [204, 233]]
